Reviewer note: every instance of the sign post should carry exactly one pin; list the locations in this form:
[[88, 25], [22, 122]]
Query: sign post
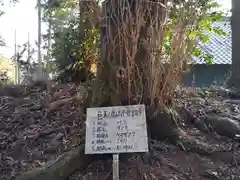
[[114, 130], [115, 166]]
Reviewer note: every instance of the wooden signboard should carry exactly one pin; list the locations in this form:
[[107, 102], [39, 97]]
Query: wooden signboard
[[119, 129]]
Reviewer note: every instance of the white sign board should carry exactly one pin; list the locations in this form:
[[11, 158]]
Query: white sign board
[[118, 129]]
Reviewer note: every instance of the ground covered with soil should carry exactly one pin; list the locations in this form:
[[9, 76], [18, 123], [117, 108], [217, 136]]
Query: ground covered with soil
[[38, 128]]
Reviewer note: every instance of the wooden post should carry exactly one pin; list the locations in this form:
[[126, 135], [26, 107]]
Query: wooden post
[[40, 74], [28, 45], [15, 58], [115, 166], [49, 49]]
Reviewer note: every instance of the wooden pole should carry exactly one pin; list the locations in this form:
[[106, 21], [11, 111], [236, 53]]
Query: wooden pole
[[49, 48], [40, 74], [115, 166], [15, 57], [234, 81], [28, 44]]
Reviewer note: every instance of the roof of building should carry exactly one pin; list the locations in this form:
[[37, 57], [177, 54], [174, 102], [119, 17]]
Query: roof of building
[[218, 46]]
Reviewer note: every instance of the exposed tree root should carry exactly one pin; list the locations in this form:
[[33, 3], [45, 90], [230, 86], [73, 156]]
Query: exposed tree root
[[162, 126], [224, 126], [62, 168]]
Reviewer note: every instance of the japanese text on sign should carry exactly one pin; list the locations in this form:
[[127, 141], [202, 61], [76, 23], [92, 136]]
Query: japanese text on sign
[[116, 129]]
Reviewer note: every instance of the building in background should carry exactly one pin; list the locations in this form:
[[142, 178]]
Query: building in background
[[7, 67], [218, 72]]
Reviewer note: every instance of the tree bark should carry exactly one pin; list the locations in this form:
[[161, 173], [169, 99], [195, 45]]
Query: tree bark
[[122, 70], [62, 168], [234, 80]]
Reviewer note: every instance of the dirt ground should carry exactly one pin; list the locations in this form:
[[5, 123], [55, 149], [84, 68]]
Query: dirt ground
[[37, 127], [165, 161]]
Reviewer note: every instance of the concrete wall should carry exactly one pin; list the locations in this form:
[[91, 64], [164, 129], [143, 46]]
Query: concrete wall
[[206, 75]]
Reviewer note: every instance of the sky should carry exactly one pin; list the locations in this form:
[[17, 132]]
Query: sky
[[23, 18], [225, 3]]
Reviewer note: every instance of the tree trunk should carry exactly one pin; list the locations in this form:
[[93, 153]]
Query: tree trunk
[[234, 80], [123, 82], [122, 67]]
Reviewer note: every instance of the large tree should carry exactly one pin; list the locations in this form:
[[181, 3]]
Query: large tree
[[234, 80], [74, 36], [145, 47], [141, 32]]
